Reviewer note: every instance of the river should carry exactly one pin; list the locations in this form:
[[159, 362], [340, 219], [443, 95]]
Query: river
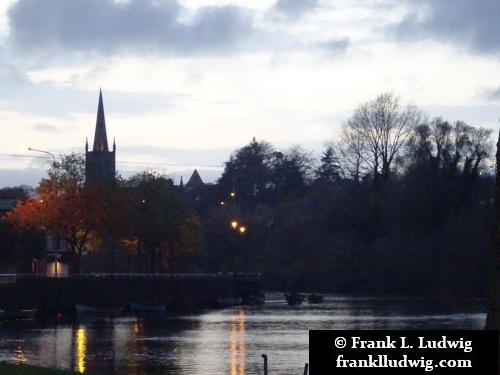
[[227, 341]]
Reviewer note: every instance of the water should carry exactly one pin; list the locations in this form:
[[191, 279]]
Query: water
[[229, 341]]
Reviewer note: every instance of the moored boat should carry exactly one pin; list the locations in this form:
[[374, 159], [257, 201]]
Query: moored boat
[[315, 298], [17, 314], [294, 298]]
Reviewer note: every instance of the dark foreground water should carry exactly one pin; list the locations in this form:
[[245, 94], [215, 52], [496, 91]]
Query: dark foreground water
[[229, 341]]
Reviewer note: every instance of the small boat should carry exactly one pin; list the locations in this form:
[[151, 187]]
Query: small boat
[[146, 307], [294, 298], [18, 314], [315, 298], [255, 299], [85, 309]]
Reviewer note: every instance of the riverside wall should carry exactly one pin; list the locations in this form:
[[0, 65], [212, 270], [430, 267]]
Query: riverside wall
[[177, 291]]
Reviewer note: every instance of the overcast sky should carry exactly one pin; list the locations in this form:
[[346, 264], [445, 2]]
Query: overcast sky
[[187, 82]]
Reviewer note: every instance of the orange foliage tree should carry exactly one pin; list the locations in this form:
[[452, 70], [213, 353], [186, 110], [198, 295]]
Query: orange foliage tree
[[63, 206]]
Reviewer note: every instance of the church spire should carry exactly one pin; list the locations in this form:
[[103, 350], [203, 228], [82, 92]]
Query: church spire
[[100, 137]]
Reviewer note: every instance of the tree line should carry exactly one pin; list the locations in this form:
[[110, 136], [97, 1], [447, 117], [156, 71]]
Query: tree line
[[397, 203]]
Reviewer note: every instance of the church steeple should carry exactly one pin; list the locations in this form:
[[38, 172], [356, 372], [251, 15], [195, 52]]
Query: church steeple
[[100, 163], [100, 137]]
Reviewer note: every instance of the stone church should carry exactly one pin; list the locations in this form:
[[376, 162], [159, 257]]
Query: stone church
[[100, 163]]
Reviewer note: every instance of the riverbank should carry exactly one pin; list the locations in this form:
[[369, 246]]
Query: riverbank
[[11, 369], [179, 291]]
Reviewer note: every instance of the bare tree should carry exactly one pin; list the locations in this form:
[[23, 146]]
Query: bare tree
[[377, 131]]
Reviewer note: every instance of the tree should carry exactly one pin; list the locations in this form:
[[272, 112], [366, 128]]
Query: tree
[[457, 148], [291, 172], [493, 308], [157, 220], [67, 211], [377, 131], [248, 172], [329, 170]]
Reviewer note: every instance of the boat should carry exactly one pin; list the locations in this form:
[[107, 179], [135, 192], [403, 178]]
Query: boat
[[85, 309], [146, 307], [315, 298], [18, 314], [255, 299], [294, 298]]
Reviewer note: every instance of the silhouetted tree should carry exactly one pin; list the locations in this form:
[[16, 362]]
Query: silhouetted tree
[[248, 173], [158, 221], [377, 131], [291, 172], [329, 170]]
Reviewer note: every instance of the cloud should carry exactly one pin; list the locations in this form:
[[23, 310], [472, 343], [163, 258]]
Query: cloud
[[495, 95], [136, 26], [474, 24], [336, 46], [46, 128], [294, 8], [489, 94]]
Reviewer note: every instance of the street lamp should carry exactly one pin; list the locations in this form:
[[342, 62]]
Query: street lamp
[[54, 244]]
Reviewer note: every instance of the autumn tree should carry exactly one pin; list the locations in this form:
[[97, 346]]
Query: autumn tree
[[62, 206]]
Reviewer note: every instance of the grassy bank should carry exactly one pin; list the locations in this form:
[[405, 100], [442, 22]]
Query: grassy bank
[[10, 369]]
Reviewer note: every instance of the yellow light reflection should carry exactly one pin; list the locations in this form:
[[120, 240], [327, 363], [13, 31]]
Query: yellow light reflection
[[137, 327], [238, 344], [81, 349], [19, 356]]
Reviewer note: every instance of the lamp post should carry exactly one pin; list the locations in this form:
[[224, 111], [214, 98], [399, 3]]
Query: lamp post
[[54, 243]]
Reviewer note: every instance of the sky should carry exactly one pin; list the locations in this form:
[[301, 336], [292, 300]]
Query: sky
[[185, 83]]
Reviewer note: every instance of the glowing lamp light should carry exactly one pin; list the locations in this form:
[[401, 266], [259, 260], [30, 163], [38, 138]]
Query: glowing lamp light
[[242, 229], [234, 224]]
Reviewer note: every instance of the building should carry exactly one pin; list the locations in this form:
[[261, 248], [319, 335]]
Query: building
[[100, 163], [195, 182]]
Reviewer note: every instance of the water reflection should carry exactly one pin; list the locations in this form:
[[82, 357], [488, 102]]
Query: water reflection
[[81, 349], [238, 343], [229, 341], [19, 356]]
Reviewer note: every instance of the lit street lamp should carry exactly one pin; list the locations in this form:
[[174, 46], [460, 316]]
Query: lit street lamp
[[235, 225], [54, 243]]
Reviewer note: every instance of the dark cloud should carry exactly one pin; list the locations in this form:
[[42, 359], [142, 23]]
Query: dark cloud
[[472, 24], [294, 8], [336, 46], [136, 26], [489, 94], [494, 95]]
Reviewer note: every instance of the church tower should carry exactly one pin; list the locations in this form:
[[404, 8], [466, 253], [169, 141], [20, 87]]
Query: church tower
[[100, 163]]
